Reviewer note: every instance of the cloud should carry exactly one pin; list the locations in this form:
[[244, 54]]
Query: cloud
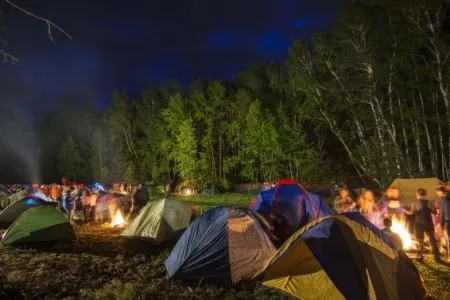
[[273, 44], [135, 45]]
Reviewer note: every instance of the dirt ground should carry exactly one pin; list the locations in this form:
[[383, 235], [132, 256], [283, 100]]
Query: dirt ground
[[102, 265]]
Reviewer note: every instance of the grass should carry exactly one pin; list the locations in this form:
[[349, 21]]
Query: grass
[[229, 199], [101, 265], [436, 277]]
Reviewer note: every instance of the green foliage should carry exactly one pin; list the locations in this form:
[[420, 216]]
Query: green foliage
[[186, 152], [368, 99], [129, 176], [70, 163]]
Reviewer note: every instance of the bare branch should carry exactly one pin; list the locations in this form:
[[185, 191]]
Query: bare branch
[[50, 24], [8, 57]]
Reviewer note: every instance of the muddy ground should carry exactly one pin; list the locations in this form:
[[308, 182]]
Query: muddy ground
[[102, 265]]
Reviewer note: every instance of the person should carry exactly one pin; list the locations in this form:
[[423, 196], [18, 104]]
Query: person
[[92, 203], [343, 202], [423, 223], [77, 204], [444, 214], [86, 199], [369, 209], [167, 189], [392, 235], [67, 201], [138, 200]]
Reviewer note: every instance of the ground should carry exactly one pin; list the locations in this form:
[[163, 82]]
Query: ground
[[102, 265]]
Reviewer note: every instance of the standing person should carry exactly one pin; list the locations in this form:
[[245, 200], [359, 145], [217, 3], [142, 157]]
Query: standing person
[[67, 201], [92, 205], [138, 200], [86, 199], [444, 214], [422, 210], [167, 189]]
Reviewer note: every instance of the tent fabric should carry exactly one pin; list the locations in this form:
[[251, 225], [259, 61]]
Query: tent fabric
[[408, 188], [15, 209], [39, 224], [160, 220], [339, 258], [4, 201], [290, 200], [223, 244]]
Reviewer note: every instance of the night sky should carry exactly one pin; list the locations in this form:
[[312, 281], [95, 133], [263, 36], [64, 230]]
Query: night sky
[[135, 44]]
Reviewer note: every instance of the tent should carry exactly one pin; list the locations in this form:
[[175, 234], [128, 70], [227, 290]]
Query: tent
[[408, 188], [14, 210], [4, 201], [210, 189], [39, 224], [223, 244], [291, 201], [160, 220], [337, 257], [4, 191]]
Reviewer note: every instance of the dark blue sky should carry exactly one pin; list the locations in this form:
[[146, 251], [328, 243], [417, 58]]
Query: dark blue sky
[[135, 44]]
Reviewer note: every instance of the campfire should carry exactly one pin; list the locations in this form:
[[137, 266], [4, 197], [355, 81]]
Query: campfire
[[399, 227], [118, 220]]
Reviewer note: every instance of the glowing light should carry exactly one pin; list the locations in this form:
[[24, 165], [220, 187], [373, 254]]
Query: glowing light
[[118, 220], [400, 228], [188, 192]]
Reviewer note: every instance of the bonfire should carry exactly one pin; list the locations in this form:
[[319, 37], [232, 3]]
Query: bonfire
[[118, 220], [400, 227]]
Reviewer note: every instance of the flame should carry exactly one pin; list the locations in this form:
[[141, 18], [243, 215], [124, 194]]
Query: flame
[[188, 192], [400, 228], [118, 220]]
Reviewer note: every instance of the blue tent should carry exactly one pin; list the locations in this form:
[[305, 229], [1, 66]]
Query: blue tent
[[223, 244], [291, 201]]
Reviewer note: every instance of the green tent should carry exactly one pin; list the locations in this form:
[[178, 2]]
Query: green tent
[[160, 221], [39, 224], [15, 209]]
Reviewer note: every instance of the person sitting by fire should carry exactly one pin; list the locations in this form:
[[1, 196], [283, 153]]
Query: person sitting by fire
[[344, 202], [422, 209], [392, 235], [444, 215]]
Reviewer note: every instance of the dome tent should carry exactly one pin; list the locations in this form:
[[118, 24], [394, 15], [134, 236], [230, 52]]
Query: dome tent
[[15, 209], [291, 201], [37, 225], [160, 221], [337, 257], [223, 244]]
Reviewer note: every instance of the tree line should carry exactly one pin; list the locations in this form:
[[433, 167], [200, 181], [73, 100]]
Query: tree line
[[370, 98]]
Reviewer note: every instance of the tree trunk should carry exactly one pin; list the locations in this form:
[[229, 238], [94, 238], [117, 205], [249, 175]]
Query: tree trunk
[[405, 139]]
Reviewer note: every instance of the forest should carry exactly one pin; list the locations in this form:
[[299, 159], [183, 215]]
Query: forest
[[368, 100]]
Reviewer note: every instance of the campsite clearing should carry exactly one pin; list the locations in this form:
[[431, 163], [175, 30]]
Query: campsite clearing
[[103, 265]]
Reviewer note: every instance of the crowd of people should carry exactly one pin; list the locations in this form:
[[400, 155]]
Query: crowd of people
[[424, 217], [96, 202]]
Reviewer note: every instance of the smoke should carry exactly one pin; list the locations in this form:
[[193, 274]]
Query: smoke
[[22, 156]]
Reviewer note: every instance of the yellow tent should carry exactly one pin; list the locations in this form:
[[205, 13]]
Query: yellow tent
[[339, 257], [408, 188]]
